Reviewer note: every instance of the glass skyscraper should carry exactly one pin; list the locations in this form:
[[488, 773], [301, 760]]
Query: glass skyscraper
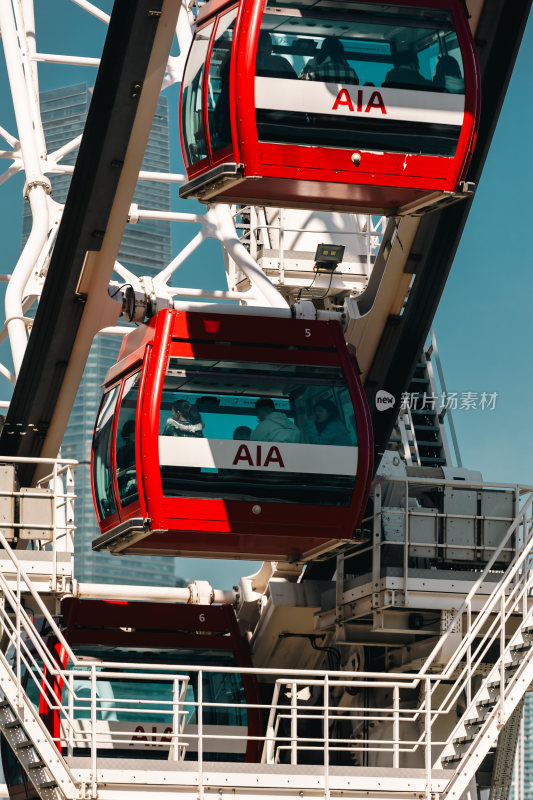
[[145, 249]]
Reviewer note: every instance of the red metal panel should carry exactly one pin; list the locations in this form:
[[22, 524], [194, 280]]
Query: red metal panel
[[248, 35], [236, 328], [101, 614]]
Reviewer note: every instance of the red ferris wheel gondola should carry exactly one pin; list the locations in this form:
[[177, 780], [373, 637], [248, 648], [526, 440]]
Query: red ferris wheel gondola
[[139, 633], [230, 440], [342, 105]]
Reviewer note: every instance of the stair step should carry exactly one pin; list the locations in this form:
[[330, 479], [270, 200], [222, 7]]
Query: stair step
[[13, 724], [23, 745], [4, 704], [451, 759], [494, 685], [486, 703], [512, 666], [521, 648], [463, 740], [36, 765], [475, 722], [48, 785], [433, 428]]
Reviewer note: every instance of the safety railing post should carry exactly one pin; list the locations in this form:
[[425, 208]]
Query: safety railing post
[[326, 737], [55, 490], [269, 746], [176, 718], [93, 730], [501, 714], [19, 639], [70, 715], [469, 654], [527, 570], [294, 724], [396, 727], [281, 246], [428, 737], [252, 237], [200, 715]]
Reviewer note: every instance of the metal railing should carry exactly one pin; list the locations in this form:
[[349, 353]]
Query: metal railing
[[42, 515], [329, 719], [425, 521], [259, 235]]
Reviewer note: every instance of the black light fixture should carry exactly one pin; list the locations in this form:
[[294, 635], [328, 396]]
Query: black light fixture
[[328, 257]]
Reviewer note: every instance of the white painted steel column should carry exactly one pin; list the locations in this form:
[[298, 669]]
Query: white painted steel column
[[222, 220], [37, 186]]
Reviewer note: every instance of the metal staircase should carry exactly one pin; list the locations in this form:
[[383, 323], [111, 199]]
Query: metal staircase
[[502, 773], [501, 635], [492, 707], [421, 423], [20, 722], [28, 739]]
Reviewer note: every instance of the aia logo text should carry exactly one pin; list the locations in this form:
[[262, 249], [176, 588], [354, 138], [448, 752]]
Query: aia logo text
[[356, 101], [258, 456]]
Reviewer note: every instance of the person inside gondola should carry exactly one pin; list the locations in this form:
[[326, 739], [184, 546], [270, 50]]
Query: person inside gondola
[[126, 453], [325, 426], [448, 76], [406, 73], [125, 460], [185, 421], [242, 433], [267, 64], [330, 64], [221, 116], [274, 426]]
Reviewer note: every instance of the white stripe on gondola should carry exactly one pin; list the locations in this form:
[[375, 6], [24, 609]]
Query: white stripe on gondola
[[280, 94], [175, 451]]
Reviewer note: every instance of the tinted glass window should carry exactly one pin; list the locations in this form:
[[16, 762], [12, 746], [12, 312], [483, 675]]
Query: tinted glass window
[[225, 691], [138, 714], [191, 108], [125, 442], [375, 77], [105, 501], [218, 88], [249, 430]]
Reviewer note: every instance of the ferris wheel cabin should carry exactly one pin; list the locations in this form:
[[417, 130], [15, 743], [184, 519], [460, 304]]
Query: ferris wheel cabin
[[136, 633], [230, 440], [338, 105]]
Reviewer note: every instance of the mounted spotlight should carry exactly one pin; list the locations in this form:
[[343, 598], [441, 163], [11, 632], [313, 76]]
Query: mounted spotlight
[[328, 257]]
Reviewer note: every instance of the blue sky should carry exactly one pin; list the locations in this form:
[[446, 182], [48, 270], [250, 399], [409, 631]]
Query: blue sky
[[483, 324]]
